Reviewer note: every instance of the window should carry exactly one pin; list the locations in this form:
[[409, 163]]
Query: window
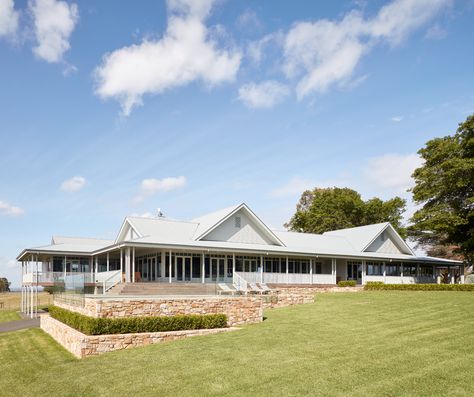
[[392, 269], [374, 269], [426, 270], [318, 268], [238, 222], [409, 270]]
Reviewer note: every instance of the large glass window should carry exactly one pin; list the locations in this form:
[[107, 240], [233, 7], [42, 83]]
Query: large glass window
[[409, 269], [374, 269], [392, 269]]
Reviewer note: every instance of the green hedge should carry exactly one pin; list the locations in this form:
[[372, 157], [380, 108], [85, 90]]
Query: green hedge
[[347, 283], [102, 326], [380, 286]]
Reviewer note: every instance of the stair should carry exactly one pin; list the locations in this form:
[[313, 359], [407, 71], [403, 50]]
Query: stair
[[168, 289], [116, 290]]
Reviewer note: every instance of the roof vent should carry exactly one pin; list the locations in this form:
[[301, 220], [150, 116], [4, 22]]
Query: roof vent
[[159, 213]]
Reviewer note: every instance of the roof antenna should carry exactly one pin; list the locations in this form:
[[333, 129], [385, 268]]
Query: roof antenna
[[159, 213]]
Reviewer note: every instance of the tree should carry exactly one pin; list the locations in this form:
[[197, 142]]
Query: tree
[[4, 285], [444, 186], [320, 210]]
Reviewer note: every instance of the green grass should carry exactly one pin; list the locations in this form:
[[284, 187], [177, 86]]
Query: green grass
[[390, 343], [8, 315]]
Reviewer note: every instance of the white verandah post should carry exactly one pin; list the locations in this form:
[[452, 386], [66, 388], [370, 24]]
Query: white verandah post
[[287, 272], [261, 269], [121, 265], [133, 264], [203, 268], [462, 278], [108, 261], [333, 270], [169, 265], [311, 270]]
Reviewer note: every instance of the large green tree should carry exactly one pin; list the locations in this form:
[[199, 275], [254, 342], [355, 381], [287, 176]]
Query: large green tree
[[320, 210], [444, 186]]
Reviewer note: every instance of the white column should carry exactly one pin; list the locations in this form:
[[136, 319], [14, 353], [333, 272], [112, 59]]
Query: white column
[[203, 268], [436, 273], [384, 273], [311, 270], [31, 300], [451, 272], [462, 278], [156, 266], [333, 268], [261, 268], [169, 265], [128, 277], [401, 271], [364, 270], [64, 268], [133, 264], [36, 288], [91, 267], [233, 264], [108, 261], [22, 291], [121, 265], [96, 270], [287, 273]]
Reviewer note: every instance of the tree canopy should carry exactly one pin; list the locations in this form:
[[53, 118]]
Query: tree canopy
[[324, 209], [444, 186], [4, 285]]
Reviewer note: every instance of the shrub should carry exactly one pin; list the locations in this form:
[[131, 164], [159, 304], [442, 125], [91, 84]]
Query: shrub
[[418, 287], [102, 326], [347, 283]]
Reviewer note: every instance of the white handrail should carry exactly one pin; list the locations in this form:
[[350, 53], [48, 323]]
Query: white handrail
[[113, 280], [240, 284]]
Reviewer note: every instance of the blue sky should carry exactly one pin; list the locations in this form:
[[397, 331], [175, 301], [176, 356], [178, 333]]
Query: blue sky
[[109, 109]]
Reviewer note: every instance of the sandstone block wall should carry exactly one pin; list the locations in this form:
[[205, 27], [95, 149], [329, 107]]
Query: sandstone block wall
[[81, 345], [239, 310]]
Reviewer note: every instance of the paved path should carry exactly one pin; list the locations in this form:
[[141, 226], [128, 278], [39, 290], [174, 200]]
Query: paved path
[[19, 324]]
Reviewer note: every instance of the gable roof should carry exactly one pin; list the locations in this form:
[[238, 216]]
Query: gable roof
[[208, 223], [361, 237]]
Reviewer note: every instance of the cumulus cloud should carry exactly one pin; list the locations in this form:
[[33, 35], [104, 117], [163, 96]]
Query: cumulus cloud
[[263, 95], [73, 184], [10, 210], [392, 171], [184, 54], [8, 18], [149, 187], [325, 53], [54, 22]]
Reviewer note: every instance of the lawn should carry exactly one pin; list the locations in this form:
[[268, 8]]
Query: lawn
[[8, 315], [390, 343]]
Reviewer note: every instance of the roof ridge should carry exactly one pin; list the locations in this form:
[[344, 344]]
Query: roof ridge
[[86, 238], [161, 219]]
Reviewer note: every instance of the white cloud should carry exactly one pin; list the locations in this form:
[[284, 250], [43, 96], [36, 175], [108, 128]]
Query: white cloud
[[397, 119], [54, 22], [8, 18], [73, 184], [263, 95], [297, 185], [149, 187], [249, 20], [325, 53], [10, 210], [392, 171], [184, 54]]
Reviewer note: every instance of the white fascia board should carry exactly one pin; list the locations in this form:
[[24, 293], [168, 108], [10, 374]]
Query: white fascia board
[[262, 225], [397, 236], [128, 222]]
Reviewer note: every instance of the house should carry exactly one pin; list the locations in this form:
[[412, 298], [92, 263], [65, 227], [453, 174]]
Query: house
[[232, 245]]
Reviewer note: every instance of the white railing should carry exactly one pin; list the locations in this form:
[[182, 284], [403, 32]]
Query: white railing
[[284, 278], [240, 284], [110, 282], [47, 277]]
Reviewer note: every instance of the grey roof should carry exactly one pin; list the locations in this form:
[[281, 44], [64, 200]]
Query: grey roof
[[163, 232]]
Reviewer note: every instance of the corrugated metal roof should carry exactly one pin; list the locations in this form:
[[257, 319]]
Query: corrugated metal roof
[[360, 236]]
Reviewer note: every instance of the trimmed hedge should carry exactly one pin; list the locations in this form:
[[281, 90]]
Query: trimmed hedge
[[380, 286], [347, 283], [103, 326]]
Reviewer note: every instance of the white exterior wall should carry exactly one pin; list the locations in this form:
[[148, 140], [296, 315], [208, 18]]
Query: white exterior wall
[[248, 233]]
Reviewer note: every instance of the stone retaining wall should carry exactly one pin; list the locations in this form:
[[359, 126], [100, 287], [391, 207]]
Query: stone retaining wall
[[239, 310], [82, 345]]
